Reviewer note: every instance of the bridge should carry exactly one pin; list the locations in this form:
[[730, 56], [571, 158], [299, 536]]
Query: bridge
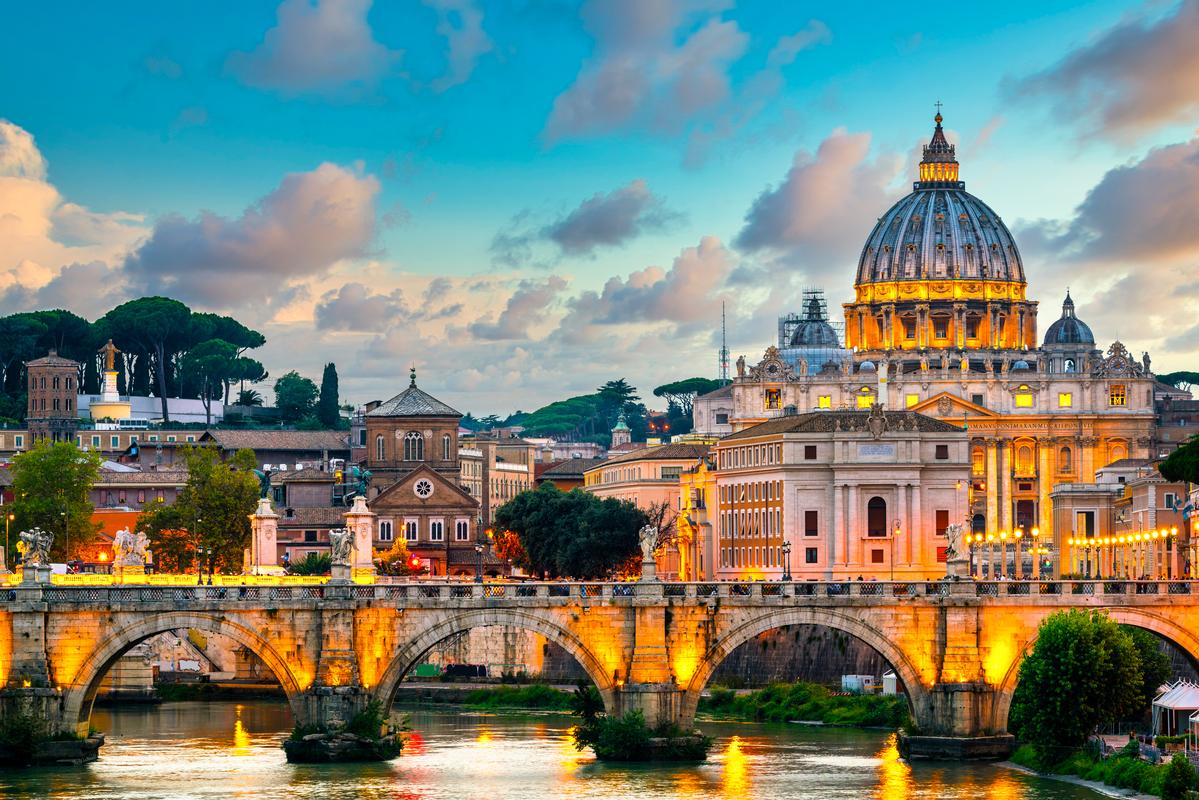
[[955, 645]]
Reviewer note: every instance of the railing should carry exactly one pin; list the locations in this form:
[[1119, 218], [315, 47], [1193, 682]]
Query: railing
[[436, 593]]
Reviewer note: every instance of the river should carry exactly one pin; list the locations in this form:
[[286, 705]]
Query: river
[[226, 750]]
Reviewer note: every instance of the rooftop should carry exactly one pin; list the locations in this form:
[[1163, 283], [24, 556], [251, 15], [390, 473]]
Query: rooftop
[[571, 468], [300, 441], [665, 452], [413, 402], [848, 421]]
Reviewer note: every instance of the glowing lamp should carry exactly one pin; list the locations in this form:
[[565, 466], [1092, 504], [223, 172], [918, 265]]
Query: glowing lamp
[[990, 537], [1174, 531], [414, 561], [103, 556], [1036, 532]]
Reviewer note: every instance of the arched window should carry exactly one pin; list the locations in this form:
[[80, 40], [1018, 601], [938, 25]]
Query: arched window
[[978, 523], [1024, 460], [1064, 460], [1069, 365], [379, 448], [414, 446], [1118, 452], [70, 383], [876, 517], [445, 447], [978, 461]]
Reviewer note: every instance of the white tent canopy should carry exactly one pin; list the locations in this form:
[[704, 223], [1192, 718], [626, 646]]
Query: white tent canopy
[[1174, 707]]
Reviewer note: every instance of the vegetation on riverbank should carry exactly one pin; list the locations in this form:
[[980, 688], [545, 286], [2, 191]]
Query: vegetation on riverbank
[[1174, 780], [23, 735], [535, 696], [808, 702], [368, 736], [174, 692], [629, 737]]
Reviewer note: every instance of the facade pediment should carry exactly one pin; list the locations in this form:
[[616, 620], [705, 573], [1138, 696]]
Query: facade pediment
[[423, 488], [946, 404]]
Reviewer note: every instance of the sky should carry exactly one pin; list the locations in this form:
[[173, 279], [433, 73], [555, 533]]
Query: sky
[[528, 198]]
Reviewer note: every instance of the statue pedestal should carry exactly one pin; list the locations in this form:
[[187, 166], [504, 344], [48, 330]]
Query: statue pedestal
[[957, 568], [360, 520], [28, 574], [339, 573], [649, 570], [4, 562], [264, 554]]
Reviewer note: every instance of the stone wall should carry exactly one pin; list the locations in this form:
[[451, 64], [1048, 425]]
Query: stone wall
[[506, 650], [798, 653]]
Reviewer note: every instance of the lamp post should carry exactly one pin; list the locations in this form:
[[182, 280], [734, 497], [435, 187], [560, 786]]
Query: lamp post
[[66, 538], [1035, 533], [478, 562], [210, 555], [8, 518], [787, 561], [1019, 571], [894, 536]]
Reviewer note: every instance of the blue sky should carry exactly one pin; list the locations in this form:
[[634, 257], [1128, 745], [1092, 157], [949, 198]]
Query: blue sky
[[527, 198]]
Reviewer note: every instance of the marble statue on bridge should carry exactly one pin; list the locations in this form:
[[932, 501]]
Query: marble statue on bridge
[[130, 549], [341, 541], [35, 547]]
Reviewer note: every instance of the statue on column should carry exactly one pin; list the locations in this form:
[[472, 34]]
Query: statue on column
[[1145, 361], [647, 537], [741, 366], [110, 355]]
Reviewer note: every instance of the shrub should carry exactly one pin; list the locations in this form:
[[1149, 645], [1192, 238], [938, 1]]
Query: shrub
[[536, 695], [312, 564], [1180, 778], [783, 702]]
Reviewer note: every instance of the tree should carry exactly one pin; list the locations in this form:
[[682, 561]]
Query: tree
[[683, 393], [568, 533], [19, 336], [1083, 672], [294, 396], [327, 410], [1180, 778], [52, 486], [212, 511], [1183, 463], [153, 325], [209, 363], [248, 397], [1183, 379], [1155, 665], [395, 560]]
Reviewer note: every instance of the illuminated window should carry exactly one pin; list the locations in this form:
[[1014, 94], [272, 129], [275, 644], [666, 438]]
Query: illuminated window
[[1116, 395], [824, 401], [1023, 397], [910, 400], [865, 400], [1065, 399], [773, 399]]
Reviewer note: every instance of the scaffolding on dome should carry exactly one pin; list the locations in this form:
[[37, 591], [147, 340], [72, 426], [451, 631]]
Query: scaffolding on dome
[[812, 336]]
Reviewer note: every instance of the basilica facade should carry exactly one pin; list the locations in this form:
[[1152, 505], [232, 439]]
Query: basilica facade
[[941, 324]]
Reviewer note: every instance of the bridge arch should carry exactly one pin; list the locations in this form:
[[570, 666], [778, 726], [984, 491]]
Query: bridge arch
[[80, 693], [1182, 637], [745, 630], [409, 655]]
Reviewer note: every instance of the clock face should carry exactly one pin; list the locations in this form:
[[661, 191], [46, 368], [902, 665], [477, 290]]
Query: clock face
[[423, 488], [772, 368]]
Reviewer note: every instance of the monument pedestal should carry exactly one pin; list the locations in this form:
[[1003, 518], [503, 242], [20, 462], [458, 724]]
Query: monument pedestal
[[360, 521], [264, 554], [339, 573]]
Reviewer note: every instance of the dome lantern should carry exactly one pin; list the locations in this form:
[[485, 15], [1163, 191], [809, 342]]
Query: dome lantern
[[939, 166]]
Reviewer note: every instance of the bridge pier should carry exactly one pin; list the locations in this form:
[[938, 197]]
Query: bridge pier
[[659, 703]]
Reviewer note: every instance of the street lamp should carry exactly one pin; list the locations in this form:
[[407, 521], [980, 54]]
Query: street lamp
[[66, 541], [786, 561], [478, 562], [8, 518], [209, 553]]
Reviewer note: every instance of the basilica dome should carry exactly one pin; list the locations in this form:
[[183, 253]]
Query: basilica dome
[[939, 230], [1069, 329], [814, 330]]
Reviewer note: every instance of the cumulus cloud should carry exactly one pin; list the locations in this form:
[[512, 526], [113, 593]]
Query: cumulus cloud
[[1138, 75], [528, 306], [641, 74], [818, 215], [610, 219], [354, 307], [461, 23], [299, 230], [19, 156], [327, 48]]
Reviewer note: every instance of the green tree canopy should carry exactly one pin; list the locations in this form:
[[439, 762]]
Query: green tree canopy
[[212, 511], [52, 484], [327, 410], [157, 326], [683, 393], [1183, 463], [1155, 665], [1183, 379], [1084, 671], [573, 534], [209, 363], [295, 396]]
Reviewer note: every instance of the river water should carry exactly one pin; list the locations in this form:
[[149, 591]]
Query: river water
[[226, 750]]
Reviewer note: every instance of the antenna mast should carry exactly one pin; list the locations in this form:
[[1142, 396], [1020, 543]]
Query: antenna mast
[[722, 361]]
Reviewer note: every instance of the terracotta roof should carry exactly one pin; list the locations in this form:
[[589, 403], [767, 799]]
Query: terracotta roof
[[1127, 463], [308, 474], [307, 441], [52, 359], [715, 394], [662, 452], [320, 516], [829, 421], [174, 477], [413, 402], [570, 468]]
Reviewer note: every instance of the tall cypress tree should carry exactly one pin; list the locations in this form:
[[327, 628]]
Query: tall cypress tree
[[327, 410]]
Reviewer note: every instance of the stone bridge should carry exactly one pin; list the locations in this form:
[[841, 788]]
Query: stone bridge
[[955, 645]]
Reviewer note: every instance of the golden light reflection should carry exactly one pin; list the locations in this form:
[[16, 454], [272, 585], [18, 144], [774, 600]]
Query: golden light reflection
[[684, 662], [241, 738], [484, 736], [894, 774], [1005, 787], [735, 780], [1000, 653]]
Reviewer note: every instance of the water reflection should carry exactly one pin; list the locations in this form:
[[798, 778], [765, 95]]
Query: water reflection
[[216, 751]]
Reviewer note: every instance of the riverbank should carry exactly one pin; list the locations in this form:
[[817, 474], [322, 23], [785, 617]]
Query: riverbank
[[807, 702], [1095, 786]]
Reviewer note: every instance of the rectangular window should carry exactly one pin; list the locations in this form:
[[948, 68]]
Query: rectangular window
[[942, 521], [809, 452], [96, 442], [385, 532], [773, 399], [1065, 399], [940, 328], [191, 438], [362, 438], [810, 555], [977, 399], [877, 556], [942, 452], [722, 419], [171, 438], [115, 442], [909, 328], [910, 400], [410, 530], [161, 496], [942, 554], [19, 441], [461, 530], [865, 400], [1024, 400], [1169, 499], [972, 327], [436, 530], [1116, 396], [309, 536], [824, 401], [141, 496], [153, 437], [811, 523]]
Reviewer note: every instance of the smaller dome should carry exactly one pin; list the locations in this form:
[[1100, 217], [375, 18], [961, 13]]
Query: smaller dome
[[867, 366], [1020, 366], [813, 330], [1069, 329]]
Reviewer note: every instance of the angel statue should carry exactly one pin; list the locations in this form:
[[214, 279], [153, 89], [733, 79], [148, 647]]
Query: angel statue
[[953, 533], [129, 548], [648, 537], [340, 542], [35, 547]]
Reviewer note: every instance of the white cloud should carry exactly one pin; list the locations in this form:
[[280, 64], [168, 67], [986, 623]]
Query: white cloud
[[461, 23]]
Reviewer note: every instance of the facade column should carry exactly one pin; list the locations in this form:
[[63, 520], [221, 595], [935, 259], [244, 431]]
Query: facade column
[[833, 528], [959, 325], [855, 534], [1045, 478], [992, 487], [1005, 486], [1086, 452], [916, 554]]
